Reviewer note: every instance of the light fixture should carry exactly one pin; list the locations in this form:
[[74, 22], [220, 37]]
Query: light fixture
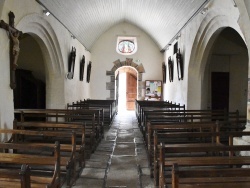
[[204, 11], [46, 12]]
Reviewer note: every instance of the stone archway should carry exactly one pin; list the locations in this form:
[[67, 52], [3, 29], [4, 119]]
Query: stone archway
[[208, 31], [44, 34], [110, 86]]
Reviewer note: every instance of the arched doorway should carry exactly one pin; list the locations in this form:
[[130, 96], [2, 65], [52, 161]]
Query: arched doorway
[[30, 91], [225, 80], [126, 88], [113, 85]]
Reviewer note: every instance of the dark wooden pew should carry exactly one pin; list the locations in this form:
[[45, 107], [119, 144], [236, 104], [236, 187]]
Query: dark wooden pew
[[21, 143], [7, 160], [213, 177], [229, 121], [169, 156], [15, 178], [109, 106], [94, 129], [154, 136], [140, 105], [66, 144]]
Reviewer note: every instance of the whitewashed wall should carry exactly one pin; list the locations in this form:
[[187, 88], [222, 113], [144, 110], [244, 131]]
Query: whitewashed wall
[[55, 42], [104, 54]]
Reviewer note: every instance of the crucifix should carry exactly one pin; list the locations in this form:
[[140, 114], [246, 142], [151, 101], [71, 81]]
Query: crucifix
[[14, 34]]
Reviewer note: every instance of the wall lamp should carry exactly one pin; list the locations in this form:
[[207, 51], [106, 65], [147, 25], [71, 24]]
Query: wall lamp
[[204, 11], [46, 12]]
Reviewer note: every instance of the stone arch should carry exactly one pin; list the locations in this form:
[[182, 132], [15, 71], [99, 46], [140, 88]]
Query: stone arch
[[118, 64], [41, 30], [207, 33]]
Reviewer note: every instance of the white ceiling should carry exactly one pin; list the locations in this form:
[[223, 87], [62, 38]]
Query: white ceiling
[[87, 20]]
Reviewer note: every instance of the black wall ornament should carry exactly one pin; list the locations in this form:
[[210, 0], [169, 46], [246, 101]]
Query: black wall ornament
[[71, 64], [170, 69], [179, 65], [164, 72], [82, 65], [88, 72]]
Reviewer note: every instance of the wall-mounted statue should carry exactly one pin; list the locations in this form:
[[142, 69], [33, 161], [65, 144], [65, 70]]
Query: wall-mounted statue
[[82, 65], [170, 69], [71, 64], [179, 62], [14, 35], [164, 72], [88, 72]]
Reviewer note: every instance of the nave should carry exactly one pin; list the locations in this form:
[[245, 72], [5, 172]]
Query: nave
[[120, 159]]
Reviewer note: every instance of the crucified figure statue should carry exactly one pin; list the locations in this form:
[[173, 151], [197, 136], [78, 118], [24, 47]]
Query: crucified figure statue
[[13, 34], [15, 48]]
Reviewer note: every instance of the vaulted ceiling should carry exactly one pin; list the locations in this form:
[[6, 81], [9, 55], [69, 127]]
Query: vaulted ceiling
[[87, 20]]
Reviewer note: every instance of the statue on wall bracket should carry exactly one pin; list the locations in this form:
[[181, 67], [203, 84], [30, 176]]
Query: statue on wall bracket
[[71, 64], [89, 71], [14, 35], [179, 65], [170, 69], [82, 65]]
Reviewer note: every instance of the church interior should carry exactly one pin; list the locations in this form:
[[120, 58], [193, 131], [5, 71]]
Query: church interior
[[124, 93]]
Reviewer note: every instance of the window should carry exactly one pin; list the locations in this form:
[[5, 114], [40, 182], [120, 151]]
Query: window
[[126, 45]]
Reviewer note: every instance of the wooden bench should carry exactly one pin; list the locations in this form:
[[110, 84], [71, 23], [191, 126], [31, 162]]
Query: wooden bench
[[215, 177], [168, 157], [109, 106], [94, 130], [228, 121], [20, 143], [140, 105], [15, 178], [154, 136], [53, 180], [66, 144]]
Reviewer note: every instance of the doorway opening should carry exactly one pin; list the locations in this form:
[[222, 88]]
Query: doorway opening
[[30, 91], [126, 88], [122, 92], [226, 74]]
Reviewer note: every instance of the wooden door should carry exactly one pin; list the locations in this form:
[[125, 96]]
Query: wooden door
[[131, 91], [220, 90]]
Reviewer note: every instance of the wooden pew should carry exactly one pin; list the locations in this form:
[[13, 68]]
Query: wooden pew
[[215, 177], [109, 106], [229, 121], [206, 161], [140, 105], [66, 144], [94, 130], [15, 178], [20, 143], [154, 138], [9, 159], [201, 140]]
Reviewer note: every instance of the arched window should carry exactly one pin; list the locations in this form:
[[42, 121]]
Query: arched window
[[126, 45]]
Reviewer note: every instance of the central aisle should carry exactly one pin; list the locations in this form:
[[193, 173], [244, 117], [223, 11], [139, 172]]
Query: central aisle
[[120, 159]]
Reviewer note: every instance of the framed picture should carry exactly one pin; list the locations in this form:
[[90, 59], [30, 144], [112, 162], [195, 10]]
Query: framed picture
[[179, 65], [170, 69], [71, 63], [153, 90], [82, 65]]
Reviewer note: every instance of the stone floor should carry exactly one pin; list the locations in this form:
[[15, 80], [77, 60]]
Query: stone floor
[[120, 161]]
